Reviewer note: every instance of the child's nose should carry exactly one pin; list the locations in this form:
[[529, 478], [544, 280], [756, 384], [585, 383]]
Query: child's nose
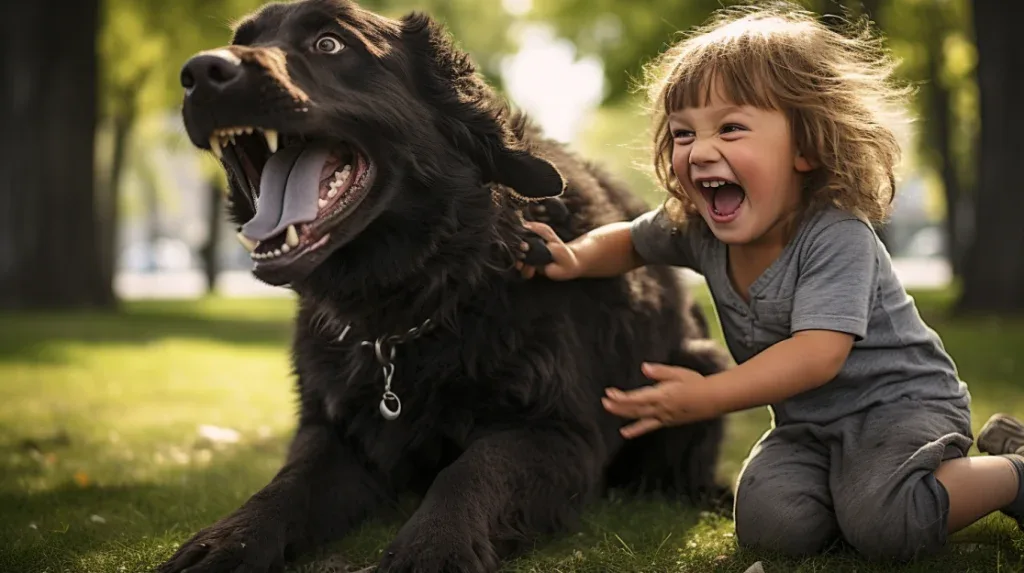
[[703, 151]]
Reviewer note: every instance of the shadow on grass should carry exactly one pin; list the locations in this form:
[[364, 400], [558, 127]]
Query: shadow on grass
[[29, 337]]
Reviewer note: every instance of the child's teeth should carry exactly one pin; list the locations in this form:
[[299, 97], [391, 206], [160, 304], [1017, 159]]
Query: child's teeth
[[713, 184]]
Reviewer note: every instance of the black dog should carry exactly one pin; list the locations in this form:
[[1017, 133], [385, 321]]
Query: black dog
[[374, 172]]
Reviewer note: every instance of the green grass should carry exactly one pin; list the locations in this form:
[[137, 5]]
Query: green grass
[[102, 467]]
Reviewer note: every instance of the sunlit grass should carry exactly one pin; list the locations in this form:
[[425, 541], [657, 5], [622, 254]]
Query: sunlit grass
[[104, 465]]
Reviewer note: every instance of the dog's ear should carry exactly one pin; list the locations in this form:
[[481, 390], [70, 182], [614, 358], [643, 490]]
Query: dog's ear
[[472, 116]]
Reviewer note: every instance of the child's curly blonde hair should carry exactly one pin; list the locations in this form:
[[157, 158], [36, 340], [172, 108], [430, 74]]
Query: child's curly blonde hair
[[837, 91]]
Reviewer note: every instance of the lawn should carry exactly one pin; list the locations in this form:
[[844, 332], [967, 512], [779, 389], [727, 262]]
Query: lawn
[[120, 435]]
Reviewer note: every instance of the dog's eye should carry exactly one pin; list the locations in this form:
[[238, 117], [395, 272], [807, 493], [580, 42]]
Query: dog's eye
[[329, 44]]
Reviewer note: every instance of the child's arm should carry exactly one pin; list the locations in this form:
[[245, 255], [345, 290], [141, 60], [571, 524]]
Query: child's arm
[[604, 252], [616, 248], [807, 360], [831, 310]]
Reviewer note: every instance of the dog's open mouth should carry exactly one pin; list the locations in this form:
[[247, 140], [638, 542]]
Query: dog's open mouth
[[307, 188]]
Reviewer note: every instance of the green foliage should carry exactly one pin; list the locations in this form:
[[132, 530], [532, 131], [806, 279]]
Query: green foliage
[[626, 35], [144, 43], [926, 34]]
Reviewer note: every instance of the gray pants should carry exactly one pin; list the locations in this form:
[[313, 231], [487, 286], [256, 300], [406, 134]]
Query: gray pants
[[867, 478]]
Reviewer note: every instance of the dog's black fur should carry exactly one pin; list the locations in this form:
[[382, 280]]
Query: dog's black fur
[[502, 431]]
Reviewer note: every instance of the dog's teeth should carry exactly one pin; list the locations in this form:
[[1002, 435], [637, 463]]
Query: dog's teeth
[[248, 243], [292, 236], [277, 252], [248, 131], [215, 146], [285, 248], [332, 193], [271, 137], [321, 203]]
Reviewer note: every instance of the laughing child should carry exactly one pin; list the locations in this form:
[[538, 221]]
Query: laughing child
[[774, 143]]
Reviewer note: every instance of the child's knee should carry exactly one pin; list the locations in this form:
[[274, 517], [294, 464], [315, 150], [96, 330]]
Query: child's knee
[[901, 528], [796, 525]]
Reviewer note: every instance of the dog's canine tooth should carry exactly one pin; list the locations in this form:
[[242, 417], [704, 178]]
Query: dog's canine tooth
[[248, 243], [292, 236], [271, 137], [215, 146]]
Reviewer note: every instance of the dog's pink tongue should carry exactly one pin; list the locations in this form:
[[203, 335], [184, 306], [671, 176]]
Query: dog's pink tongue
[[289, 190], [728, 199]]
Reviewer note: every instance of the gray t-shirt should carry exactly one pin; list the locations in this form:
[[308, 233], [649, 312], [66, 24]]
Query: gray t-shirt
[[835, 274]]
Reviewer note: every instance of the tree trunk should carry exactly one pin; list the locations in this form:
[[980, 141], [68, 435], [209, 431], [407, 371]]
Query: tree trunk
[[940, 132], [994, 270], [110, 204], [214, 218], [50, 250]]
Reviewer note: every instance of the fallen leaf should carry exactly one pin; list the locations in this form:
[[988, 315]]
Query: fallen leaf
[[96, 519]]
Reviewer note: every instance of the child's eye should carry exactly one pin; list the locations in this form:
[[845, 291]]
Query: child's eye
[[733, 128], [682, 134]]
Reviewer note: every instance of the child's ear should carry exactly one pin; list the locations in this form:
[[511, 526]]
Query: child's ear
[[803, 163]]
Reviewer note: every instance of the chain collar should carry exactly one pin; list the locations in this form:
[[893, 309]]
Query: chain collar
[[384, 351]]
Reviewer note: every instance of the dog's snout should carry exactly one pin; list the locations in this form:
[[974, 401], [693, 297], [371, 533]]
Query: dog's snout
[[212, 71]]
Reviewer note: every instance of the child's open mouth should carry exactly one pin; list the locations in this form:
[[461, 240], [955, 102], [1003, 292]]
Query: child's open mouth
[[723, 198]]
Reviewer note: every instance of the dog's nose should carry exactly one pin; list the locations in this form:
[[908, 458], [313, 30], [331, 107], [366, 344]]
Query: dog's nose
[[210, 71]]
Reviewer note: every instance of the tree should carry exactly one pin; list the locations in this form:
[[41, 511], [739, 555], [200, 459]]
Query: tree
[[994, 270], [50, 223]]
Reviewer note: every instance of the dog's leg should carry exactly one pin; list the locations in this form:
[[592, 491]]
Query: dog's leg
[[319, 495], [504, 489]]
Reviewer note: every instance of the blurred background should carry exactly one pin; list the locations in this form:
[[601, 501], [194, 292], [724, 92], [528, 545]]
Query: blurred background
[[145, 383], [103, 199]]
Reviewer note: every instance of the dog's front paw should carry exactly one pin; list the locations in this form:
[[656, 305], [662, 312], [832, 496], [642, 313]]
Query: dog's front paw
[[236, 543], [436, 545], [551, 211]]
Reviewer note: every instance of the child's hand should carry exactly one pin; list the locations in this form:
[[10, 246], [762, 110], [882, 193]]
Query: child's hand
[[680, 396], [565, 266]]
